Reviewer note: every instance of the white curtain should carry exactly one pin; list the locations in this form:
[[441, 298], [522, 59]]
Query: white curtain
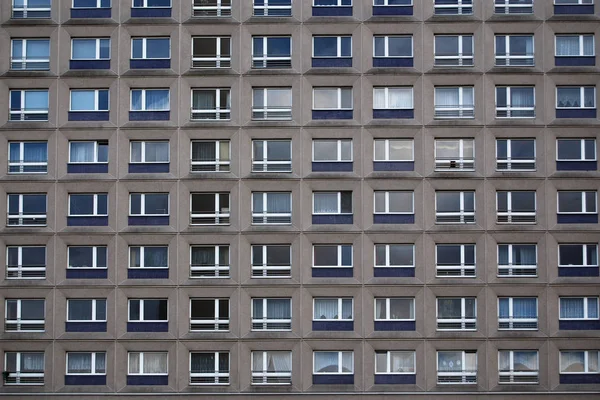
[[326, 361], [279, 203], [525, 360], [326, 203], [588, 45], [446, 97], [325, 98], [82, 152], [157, 100], [522, 97], [32, 362], [326, 309], [402, 361], [157, 151], [155, 363], [568, 46], [380, 309], [204, 100], [525, 308], [572, 361], [571, 307], [279, 361], [80, 363]]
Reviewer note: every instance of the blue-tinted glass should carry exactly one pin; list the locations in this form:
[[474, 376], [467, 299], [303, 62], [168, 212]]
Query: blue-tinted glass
[[15, 100], [103, 100], [278, 47], [18, 3], [80, 257], [469, 201], [326, 2], [501, 148], [156, 257], [523, 201], [136, 204], [102, 152], [84, 49], [347, 255], [501, 97], [105, 48], [136, 100], [138, 3], [159, 3], [500, 45], [379, 47], [83, 100], [325, 46], [34, 256], [34, 203], [400, 46], [101, 257], [14, 151], [257, 46], [101, 310], [346, 2], [137, 48], [157, 204], [38, 48], [158, 48], [523, 149], [13, 203], [257, 202], [102, 204], [39, 3], [134, 310], [157, 100], [35, 152], [346, 47], [470, 255], [590, 149], [259, 2], [105, 3], [36, 100], [81, 204], [85, 3], [17, 48]]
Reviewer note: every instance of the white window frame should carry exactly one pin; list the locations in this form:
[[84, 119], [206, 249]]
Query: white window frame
[[387, 255], [387, 203], [386, 4], [508, 8], [339, 150], [581, 52], [514, 60], [94, 258], [386, 45], [143, 97], [386, 142], [19, 324], [145, 46], [583, 203], [388, 363], [262, 61], [339, 98], [219, 165], [460, 163], [97, 49], [461, 270], [142, 249], [21, 163], [509, 108], [386, 96], [584, 249], [219, 60], [143, 205], [271, 166], [96, 145], [218, 217], [267, 7], [450, 324], [586, 361], [207, 378], [96, 100], [221, 114], [93, 371], [219, 270], [23, 378], [20, 216], [586, 301], [141, 310], [339, 4], [94, 310], [339, 309], [340, 248], [263, 377], [340, 363], [26, 8], [265, 217], [461, 110], [458, 60], [516, 270], [219, 10], [464, 217], [95, 213], [582, 142], [466, 376], [265, 323], [24, 110], [143, 152], [581, 98], [25, 272], [515, 217], [271, 113], [215, 323], [512, 320], [509, 162], [146, 5], [458, 6], [339, 203], [516, 377], [141, 363], [339, 46], [265, 270], [98, 5], [388, 309], [22, 58], [577, 2]]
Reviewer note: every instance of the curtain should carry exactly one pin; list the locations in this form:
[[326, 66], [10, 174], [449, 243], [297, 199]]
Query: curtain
[[157, 151], [568, 97], [325, 99], [326, 309], [136, 100], [504, 360], [203, 256], [522, 97], [567, 46], [84, 49], [380, 309], [503, 308], [524, 255], [278, 203], [346, 309], [204, 151], [202, 363], [571, 307], [35, 152], [155, 363], [326, 361], [37, 49], [204, 100], [157, 100], [402, 361], [279, 361], [446, 97], [524, 308], [588, 45], [32, 362], [592, 306], [450, 361], [525, 361], [400, 98], [449, 308], [80, 363], [572, 361], [279, 309], [326, 203], [156, 257]]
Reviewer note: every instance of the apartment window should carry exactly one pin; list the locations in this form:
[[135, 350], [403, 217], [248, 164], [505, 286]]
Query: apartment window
[[209, 315], [27, 157], [332, 256], [454, 260], [453, 51], [88, 205], [90, 100], [209, 368], [332, 98], [29, 105], [209, 261], [576, 102], [515, 102], [147, 363], [149, 257], [271, 367], [578, 308], [332, 203], [211, 156], [518, 366], [579, 362], [148, 204], [89, 49], [271, 208], [577, 207], [271, 314], [150, 48], [149, 152], [25, 315], [333, 362], [513, 7], [457, 314], [271, 261], [517, 260], [150, 100], [453, 7], [454, 102], [577, 255], [332, 51], [392, 51], [92, 152], [393, 154], [273, 8], [30, 54], [333, 309], [210, 209], [86, 257], [271, 156], [26, 210], [86, 310], [393, 102], [148, 310], [272, 104], [394, 309], [25, 262], [515, 155], [271, 52], [211, 8], [91, 4], [457, 367], [211, 104], [515, 207], [332, 151], [31, 8], [516, 313], [454, 207], [454, 154], [211, 52], [575, 50], [394, 256], [24, 368], [395, 362], [396, 207], [86, 363], [576, 150], [514, 50]]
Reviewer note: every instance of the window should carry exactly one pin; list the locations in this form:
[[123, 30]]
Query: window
[[454, 207], [333, 362], [332, 150], [273, 8], [91, 3], [332, 98], [272, 103], [211, 104], [87, 257], [31, 8], [271, 367], [392, 98], [93, 152], [209, 368], [517, 260], [579, 362], [574, 46], [332, 202], [149, 152], [26, 210], [271, 208], [454, 154], [148, 310], [392, 150], [392, 51], [89, 100], [454, 260], [332, 47], [90, 49], [453, 7], [29, 105], [453, 51], [148, 204], [150, 100], [576, 149], [147, 363], [573, 2], [514, 51], [394, 256], [271, 156], [332, 256], [515, 207], [209, 209], [24, 368], [27, 315], [457, 367], [578, 308], [513, 7], [211, 52], [517, 313], [211, 156], [457, 314], [577, 202], [88, 205], [515, 102], [271, 314], [271, 52], [151, 3], [395, 362], [27, 157], [148, 257], [577, 255], [271, 261], [333, 309], [515, 155], [86, 310], [25, 262], [209, 315], [151, 48], [396, 202], [332, 3], [209, 261], [575, 97], [454, 102], [86, 363], [211, 8], [30, 54], [518, 366], [394, 309]]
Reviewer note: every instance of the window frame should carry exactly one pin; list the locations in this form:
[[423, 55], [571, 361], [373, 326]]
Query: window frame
[[271, 113], [220, 61], [142, 249], [465, 270], [584, 250], [218, 217], [22, 216], [387, 255], [18, 374], [340, 252], [462, 59], [43, 113], [508, 7], [94, 257], [144, 40], [339, 364], [581, 44], [461, 213], [340, 91], [459, 6], [266, 8], [461, 109], [511, 266], [221, 114], [93, 357], [582, 149], [466, 323], [388, 309], [339, 202], [339, 150], [94, 310], [386, 45], [22, 163], [20, 324], [515, 217], [516, 377], [266, 270], [141, 310], [586, 366], [216, 378], [24, 60], [387, 142], [98, 47], [143, 205], [262, 61], [282, 378], [339, 4], [98, 5], [586, 301], [141, 363], [19, 269], [584, 205], [263, 324], [146, 5], [386, 210], [581, 97], [220, 270], [386, 4], [263, 165], [386, 96], [143, 152], [96, 100], [266, 216], [508, 109], [143, 104], [509, 162], [220, 166], [339, 46], [216, 321], [466, 376], [509, 59], [512, 319], [97, 144], [462, 162], [388, 368], [340, 309], [95, 202]]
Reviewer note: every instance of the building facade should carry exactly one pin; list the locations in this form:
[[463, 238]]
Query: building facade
[[348, 198]]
